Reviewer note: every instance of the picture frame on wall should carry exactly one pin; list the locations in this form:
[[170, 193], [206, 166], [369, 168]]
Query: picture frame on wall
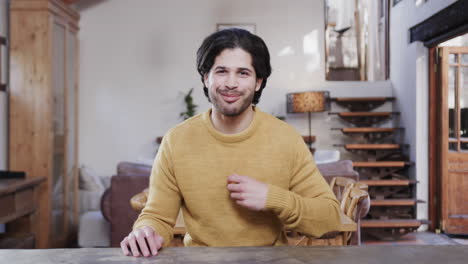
[[247, 26]]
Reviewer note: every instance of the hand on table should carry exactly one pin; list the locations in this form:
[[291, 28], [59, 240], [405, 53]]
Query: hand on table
[[137, 242], [248, 192]]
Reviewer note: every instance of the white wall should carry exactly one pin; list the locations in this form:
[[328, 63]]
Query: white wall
[[409, 77], [3, 97], [138, 57]]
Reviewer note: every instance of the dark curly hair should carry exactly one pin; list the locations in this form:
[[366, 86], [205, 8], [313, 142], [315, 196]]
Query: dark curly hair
[[232, 38]]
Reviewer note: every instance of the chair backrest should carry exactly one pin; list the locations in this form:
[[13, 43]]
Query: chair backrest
[[356, 195], [365, 206], [341, 186]]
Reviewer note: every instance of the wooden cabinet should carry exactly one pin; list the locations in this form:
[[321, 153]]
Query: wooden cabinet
[[43, 111], [18, 204]]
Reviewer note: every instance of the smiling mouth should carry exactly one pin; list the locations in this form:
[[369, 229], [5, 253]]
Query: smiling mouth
[[230, 98]]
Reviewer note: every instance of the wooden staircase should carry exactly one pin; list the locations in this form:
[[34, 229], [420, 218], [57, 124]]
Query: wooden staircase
[[359, 104], [362, 119], [370, 134], [382, 165]]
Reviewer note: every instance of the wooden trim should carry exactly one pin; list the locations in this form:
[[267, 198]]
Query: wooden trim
[[443, 140], [434, 159]]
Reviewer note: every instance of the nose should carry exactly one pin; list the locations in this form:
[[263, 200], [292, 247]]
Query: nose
[[231, 81]]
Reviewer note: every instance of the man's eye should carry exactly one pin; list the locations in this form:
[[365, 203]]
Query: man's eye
[[220, 71], [244, 73]]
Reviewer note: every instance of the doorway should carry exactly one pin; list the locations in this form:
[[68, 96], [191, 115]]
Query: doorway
[[449, 136]]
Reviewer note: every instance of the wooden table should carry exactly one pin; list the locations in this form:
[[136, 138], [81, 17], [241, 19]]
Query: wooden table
[[452, 254]]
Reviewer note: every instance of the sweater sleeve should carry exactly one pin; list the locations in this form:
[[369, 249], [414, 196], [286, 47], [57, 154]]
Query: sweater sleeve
[[164, 199], [309, 206]]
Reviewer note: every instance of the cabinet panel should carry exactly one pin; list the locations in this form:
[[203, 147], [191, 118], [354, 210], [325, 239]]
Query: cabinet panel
[[58, 182], [71, 129], [42, 110]]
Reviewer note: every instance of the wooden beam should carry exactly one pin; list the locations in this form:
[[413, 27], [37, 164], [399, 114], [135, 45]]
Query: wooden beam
[[442, 25]]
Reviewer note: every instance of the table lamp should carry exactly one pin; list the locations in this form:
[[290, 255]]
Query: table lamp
[[308, 102]]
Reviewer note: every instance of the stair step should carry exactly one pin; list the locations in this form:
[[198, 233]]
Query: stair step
[[391, 223], [370, 146], [363, 114], [388, 182], [362, 99], [380, 164], [393, 202], [367, 129], [356, 104]]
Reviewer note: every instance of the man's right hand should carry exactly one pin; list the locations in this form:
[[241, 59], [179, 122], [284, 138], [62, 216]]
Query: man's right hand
[[137, 242]]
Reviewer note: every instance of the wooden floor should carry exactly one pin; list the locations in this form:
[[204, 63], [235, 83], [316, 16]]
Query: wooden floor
[[420, 238]]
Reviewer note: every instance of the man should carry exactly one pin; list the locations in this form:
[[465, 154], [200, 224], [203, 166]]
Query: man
[[241, 176]]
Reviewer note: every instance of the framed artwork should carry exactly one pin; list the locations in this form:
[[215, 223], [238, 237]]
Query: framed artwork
[[249, 27]]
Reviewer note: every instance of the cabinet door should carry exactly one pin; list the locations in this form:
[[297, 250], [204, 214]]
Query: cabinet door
[[58, 198], [71, 128]]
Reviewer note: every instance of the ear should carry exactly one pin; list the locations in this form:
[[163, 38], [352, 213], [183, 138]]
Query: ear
[[258, 84], [205, 80]]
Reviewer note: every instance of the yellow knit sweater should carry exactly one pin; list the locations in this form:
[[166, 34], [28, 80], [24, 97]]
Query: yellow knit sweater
[[191, 170]]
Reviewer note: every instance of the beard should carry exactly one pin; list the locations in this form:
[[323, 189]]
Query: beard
[[231, 109]]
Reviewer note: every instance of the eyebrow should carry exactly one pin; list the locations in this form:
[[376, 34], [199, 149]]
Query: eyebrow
[[239, 69]]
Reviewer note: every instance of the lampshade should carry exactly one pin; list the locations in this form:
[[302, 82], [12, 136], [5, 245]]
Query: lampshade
[[316, 101]]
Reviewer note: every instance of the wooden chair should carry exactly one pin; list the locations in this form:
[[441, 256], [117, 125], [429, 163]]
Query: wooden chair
[[351, 194], [356, 195], [341, 186]]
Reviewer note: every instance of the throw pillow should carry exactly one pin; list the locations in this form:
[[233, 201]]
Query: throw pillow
[[89, 180]]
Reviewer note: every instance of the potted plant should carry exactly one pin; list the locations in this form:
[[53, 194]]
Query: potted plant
[[190, 107]]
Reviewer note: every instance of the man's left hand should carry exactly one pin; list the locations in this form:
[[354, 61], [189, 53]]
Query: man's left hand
[[248, 192]]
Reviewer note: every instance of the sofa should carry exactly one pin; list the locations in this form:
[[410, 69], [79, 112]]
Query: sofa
[[132, 178]]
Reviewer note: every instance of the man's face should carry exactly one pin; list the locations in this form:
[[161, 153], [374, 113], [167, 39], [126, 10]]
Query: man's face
[[232, 82]]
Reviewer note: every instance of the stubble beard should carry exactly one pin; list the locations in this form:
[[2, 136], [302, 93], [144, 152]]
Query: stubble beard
[[225, 109]]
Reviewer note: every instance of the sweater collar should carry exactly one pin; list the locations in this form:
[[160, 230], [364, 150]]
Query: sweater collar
[[232, 138]]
